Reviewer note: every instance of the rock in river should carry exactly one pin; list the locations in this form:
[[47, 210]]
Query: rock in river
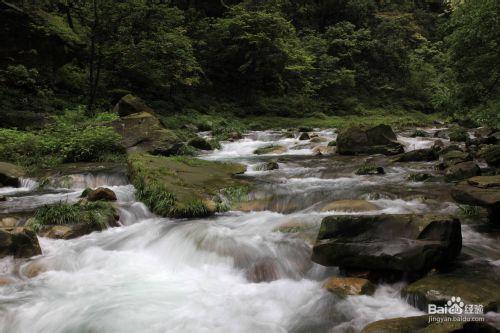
[[403, 243], [481, 191], [10, 174], [345, 286], [100, 193], [461, 171], [418, 155], [379, 139], [19, 242], [350, 206]]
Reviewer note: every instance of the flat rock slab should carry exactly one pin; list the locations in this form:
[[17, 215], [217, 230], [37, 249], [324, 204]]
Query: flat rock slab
[[406, 243]]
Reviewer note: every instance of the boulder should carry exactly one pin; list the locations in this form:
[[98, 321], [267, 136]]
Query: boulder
[[461, 171], [476, 283], [267, 166], [419, 177], [350, 206], [347, 286], [418, 155], [100, 193], [449, 148], [271, 149], [403, 243], [491, 154], [421, 324], [130, 104], [481, 191], [318, 139], [304, 136], [19, 242], [10, 174], [379, 139], [454, 157], [323, 150], [200, 143], [369, 169], [144, 132]]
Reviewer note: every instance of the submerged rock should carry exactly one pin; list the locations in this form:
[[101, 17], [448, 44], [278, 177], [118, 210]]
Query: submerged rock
[[267, 166], [19, 242], [369, 169], [418, 155], [422, 324], [350, 206], [346, 286], [271, 149], [481, 191], [10, 174], [461, 171], [379, 139], [415, 243]]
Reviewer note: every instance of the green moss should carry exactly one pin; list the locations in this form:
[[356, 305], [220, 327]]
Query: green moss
[[181, 186], [52, 24], [266, 149]]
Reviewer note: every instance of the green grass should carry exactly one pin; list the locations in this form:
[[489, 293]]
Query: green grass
[[94, 213]]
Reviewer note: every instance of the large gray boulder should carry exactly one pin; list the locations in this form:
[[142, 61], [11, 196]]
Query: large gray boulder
[[130, 104], [404, 243], [481, 191], [355, 140]]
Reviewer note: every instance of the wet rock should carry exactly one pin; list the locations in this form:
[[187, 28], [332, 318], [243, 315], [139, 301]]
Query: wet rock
[[418, 155], [8, 222], [475, 284], [200, 143], [449, 148], [323, 151], [483, 132], [491, 154], [419, 133], [454, 157], [19, 242], [10, 174], [130, 104], [235, 135], [379, 139], [304, 136], [437, 146], [267, 166], [461, 171], [33, 269], [481, 191], [144, 132], [100, 193], [5, 281], [415, 243], [350, 206], [422, 324], [345, 286], [442, 134], [265, 270], [369, 169], [271, 149], [419, 177]]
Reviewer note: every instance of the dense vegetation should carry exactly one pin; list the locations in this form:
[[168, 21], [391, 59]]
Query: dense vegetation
[[298, 58]]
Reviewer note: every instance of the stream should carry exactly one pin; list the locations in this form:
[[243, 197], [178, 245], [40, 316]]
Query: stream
[[240, 271]]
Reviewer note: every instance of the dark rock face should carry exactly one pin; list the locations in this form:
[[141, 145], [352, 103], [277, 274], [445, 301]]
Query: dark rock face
[[304, 136], [130, 104], [368, 140], [491, 154], [418, 155], [462, 171], [267, 166], [10, 174], [405, 243], [481, 191], [100, 193], [422, 324], [19, 242], [200, 143]]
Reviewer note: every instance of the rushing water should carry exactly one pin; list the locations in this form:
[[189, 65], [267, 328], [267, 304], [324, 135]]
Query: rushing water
[[235, 272]]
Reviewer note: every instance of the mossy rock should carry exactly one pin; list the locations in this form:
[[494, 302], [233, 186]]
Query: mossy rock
[[419, 177], [270, 149], [200, 143], [182, 186], [10, 174], [421, 324], [369, 169], [378, 139], [478, 284], [18, 242]]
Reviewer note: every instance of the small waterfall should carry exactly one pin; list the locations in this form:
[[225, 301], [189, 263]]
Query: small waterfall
[[92, 180], [26, 185]]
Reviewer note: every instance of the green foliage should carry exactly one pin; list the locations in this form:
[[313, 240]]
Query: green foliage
[[95, 213], [156, 197], [467, 210], [70, 138]]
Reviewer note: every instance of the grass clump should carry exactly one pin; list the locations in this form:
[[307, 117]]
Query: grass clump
[[96, 214], [156, 197], [467, 210]]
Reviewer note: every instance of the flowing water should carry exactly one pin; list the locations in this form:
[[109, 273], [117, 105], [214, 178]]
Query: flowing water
[[236, 272]]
